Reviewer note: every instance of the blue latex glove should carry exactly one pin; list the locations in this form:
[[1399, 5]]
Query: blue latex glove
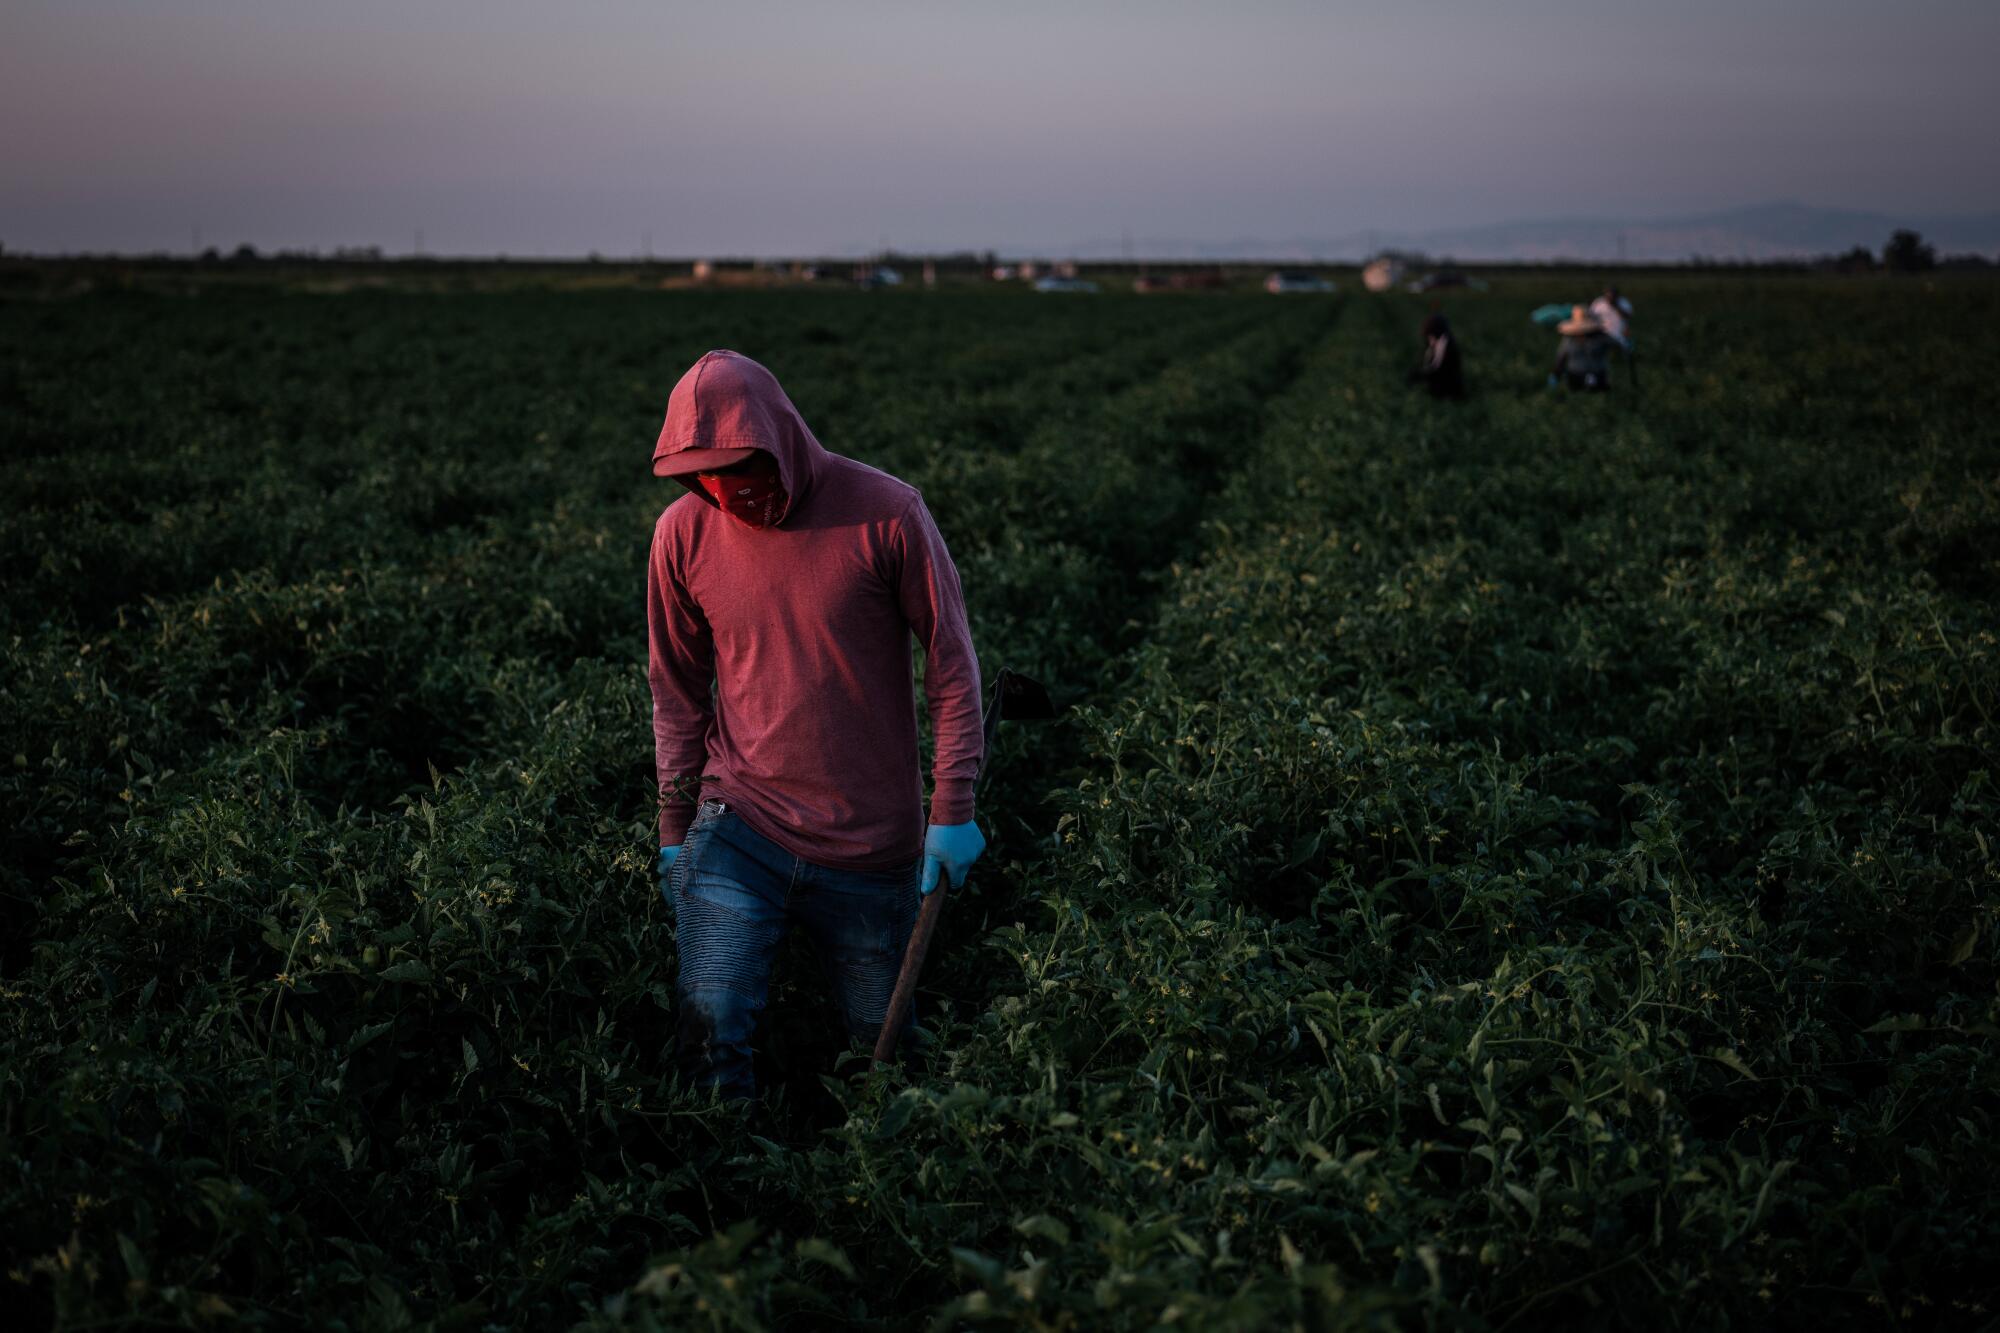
[[951, 848], [666, 864]]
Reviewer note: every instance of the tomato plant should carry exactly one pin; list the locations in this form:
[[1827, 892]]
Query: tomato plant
[[1522, 861]]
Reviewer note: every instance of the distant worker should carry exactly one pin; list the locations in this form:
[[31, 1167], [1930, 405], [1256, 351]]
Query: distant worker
[[1442, 370], [1583, 355], [782, 595], [1613, 314]]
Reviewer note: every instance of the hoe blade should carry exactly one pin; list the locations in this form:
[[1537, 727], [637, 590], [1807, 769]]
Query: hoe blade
[[1022, 698], [1015, 698]]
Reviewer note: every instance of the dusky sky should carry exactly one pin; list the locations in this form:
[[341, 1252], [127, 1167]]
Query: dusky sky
[[764, 127]]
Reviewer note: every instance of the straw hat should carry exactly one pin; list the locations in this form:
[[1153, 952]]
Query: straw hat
[[1578, 323]]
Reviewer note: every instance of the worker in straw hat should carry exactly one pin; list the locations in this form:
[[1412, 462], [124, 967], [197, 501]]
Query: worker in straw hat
[[782, 595], [1583, 355]]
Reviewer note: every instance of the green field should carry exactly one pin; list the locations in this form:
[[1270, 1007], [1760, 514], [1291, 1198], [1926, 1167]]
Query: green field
[[1518, 864]]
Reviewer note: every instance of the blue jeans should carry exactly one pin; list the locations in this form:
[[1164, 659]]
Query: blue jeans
[[735, 892]]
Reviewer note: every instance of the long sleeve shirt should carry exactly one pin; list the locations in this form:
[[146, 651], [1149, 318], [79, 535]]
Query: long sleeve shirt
[[780, 657]]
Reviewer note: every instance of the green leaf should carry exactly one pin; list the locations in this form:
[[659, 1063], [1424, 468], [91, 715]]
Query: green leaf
[[1724, 1055], [367, 1034], [410, 969], [985, 1271], [135, 1262], [827, 1253], [1962, 943], [896, 1115], [1044, 1227]]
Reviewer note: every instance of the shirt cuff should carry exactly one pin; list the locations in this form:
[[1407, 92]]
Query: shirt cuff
[[951, 801], [674, 821]]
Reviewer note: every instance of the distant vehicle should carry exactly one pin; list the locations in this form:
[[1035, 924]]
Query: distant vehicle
[[1446, 277], [1295, 280], [876, 275], [1056, 284]]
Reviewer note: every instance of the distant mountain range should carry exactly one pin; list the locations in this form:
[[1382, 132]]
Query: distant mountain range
[[1762, 232]]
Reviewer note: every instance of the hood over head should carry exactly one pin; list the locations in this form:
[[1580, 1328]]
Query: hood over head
[[725, 407]]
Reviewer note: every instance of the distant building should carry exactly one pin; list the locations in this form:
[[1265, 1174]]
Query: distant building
[[1382, 273]]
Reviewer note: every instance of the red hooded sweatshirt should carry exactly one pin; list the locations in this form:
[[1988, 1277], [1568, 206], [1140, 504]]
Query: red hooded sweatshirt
[[803, 629]]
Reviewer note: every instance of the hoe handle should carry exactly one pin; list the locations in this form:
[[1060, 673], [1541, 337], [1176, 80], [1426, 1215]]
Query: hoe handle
[[913, 963], [1029, 701]]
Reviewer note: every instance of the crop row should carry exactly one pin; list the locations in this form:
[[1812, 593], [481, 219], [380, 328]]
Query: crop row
[[1534, 866], [1526, 861], [335, 976]]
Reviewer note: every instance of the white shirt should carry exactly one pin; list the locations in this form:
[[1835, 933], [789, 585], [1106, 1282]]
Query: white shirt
[[1611, 317]]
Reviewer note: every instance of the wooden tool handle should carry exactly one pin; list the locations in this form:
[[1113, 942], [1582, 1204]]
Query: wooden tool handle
[[913, 965]]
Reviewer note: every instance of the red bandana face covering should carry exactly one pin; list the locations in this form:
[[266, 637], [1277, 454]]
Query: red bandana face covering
[[751, 494]]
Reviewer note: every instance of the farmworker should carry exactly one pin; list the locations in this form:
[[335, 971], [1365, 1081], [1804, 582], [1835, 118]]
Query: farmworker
[[1442, 369], [1583, 354], [781, 596], [1613, 314]]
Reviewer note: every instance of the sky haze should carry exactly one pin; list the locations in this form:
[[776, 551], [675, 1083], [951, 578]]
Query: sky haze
[[761, 127]]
